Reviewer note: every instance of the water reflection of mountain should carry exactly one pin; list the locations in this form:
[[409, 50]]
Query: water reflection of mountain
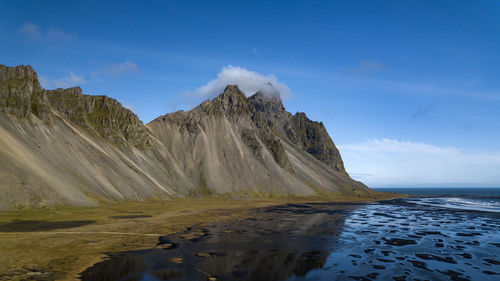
[[274, 244]]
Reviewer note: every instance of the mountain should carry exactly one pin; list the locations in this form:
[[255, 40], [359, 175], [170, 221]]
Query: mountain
[[66, 148]]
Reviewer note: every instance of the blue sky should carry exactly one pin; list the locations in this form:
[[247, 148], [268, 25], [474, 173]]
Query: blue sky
[[409, 90]]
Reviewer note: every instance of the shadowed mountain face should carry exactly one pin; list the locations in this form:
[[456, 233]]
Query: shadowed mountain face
[[63, 147]]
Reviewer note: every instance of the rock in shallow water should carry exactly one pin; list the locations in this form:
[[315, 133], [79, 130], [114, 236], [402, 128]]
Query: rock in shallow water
[[399, 242]]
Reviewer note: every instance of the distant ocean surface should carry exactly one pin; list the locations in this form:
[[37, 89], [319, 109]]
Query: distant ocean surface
[[444, 191], [464, 198]]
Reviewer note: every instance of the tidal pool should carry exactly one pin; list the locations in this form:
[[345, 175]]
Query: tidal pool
[[401, 239]]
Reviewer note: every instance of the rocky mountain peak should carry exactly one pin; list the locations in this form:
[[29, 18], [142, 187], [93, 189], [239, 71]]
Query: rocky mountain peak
[[231, 102], [313, 137], [18, 87], [300, 116], [231, 96], [269, 90], [268, 103], [69, 91], [265, 102], [232, 93], [19, 73]]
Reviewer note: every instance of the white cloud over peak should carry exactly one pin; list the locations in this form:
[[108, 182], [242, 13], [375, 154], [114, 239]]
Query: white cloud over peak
[[248, 81], [389, 162], [70, 80]]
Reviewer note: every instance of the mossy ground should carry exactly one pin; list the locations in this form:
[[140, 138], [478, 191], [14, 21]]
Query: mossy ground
[[60, 242]]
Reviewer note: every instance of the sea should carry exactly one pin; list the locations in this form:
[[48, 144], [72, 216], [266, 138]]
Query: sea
[[467, 198], [444, 191]]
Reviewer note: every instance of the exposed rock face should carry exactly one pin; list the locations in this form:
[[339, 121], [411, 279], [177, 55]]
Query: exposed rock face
[[63, 147], [313, 138], [309, 135], [22, 96], [239, 146], [270, 106], [19, 86], [105, 115]]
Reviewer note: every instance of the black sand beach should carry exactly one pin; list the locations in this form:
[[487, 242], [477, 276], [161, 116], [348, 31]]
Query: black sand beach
[[400, 239]]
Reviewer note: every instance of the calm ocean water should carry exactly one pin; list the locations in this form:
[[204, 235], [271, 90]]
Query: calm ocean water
[[472, 198], [444, 191]]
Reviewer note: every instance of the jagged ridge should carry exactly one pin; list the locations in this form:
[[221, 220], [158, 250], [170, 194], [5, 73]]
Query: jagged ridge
[[63, 147], [22, 96]]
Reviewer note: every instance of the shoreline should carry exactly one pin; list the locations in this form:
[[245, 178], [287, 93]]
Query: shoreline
[[45, 244], [392, 239]]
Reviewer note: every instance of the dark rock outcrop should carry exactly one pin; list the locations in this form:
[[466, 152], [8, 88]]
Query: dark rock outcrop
[[22, 96], [313, 138], [309, 135], [18, 88]]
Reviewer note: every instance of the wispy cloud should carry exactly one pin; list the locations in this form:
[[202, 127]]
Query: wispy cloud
[[414, 87], [384, 162], [34, 32], [422, 112], [57, 34], [365, 66], [248, 81], [70, 80], [116, 69], [31, 30]]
